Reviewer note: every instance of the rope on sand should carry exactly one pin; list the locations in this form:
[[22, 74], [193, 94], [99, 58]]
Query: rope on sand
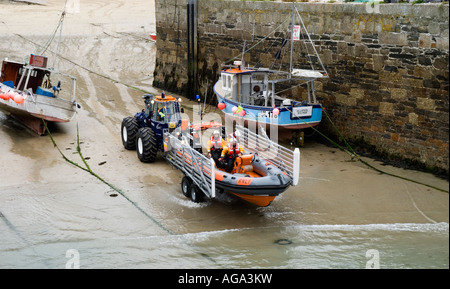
[[90, 171], [355, 155], [348, 149]]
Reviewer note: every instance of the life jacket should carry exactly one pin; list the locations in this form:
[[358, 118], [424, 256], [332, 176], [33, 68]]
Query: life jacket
[[216, 144], [233, 151]]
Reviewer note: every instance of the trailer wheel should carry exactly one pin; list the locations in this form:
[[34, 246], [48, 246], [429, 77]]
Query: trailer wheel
[[196, 194], [129, 129], [146, 145], [186, 184]]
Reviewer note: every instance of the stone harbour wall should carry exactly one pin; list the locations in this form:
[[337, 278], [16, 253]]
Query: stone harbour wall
[[388, 65]]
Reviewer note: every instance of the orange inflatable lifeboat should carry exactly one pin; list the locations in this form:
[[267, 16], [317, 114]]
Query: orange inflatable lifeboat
[[253, 179]]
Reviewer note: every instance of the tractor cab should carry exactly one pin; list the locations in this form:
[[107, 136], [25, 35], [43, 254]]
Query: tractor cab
[[166, 110], [161, 112]]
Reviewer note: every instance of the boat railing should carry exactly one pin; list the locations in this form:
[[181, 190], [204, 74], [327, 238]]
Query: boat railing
[[285, 159], [199, 168]]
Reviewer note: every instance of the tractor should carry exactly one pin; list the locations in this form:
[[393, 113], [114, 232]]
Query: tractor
[[144, 132]]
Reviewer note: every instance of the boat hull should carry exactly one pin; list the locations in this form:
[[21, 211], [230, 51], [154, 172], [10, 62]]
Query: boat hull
[[309, 114], [260, 201], [32, 112], [258, 186]]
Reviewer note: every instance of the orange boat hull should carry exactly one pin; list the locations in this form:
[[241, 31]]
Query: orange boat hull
[[261, 201]]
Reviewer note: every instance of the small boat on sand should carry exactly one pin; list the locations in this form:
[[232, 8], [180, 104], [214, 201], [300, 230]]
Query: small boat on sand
[[28, 94]]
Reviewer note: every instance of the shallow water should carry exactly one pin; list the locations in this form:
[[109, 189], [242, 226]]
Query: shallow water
[[385, 246]]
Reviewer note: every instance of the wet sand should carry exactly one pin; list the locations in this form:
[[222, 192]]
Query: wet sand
[[43, 195]]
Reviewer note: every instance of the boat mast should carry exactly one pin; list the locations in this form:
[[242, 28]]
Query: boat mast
[[292, 41], [59, 38], [243, 53]]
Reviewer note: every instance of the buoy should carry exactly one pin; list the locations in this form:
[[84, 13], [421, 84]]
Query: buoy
[[10, 95], [4, 96], [18, 98], [242, 112], [234, 109], [221, 105], [275, 111]]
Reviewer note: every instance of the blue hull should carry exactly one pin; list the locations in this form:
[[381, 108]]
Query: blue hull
[[285, 119]]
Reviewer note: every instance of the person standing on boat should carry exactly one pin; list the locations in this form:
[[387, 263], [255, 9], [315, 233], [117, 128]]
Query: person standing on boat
[[236, 135], [230, 152], [215, 146], [46, 83]]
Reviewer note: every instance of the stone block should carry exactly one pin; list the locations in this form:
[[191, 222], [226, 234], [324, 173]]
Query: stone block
[[345, 99], [386, 108], [327, 57], [426, 104], [413, 118], [442, 43], [393, 38], [425, 40], [357, 93], [399, 94], [378, 62]]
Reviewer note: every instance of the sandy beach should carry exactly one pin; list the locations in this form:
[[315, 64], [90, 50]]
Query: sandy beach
[[105, 41]]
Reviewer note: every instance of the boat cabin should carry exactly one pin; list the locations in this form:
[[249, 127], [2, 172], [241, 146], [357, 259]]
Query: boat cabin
[[34, 77], [249, 86], [21, 76]]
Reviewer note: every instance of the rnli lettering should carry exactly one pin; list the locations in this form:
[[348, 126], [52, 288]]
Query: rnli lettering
[[244, 181]]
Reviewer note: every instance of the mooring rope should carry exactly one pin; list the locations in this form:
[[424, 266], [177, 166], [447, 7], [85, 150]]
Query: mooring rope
[[348, 149], [90, 171]]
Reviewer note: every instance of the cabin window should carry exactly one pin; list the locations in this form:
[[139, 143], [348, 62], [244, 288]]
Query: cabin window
[[224, 83], [227, 81], [32, 74]]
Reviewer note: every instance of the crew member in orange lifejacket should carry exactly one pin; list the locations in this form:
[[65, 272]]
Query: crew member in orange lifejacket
[[230, 152], [236, 135], [215, 146]]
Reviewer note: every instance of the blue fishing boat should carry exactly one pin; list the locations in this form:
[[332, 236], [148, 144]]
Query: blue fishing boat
[[252, 94]]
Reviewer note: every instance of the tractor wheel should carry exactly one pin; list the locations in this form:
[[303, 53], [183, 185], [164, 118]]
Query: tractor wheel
[[146, 145], [186, 184], [130, 127], [196, 194]]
